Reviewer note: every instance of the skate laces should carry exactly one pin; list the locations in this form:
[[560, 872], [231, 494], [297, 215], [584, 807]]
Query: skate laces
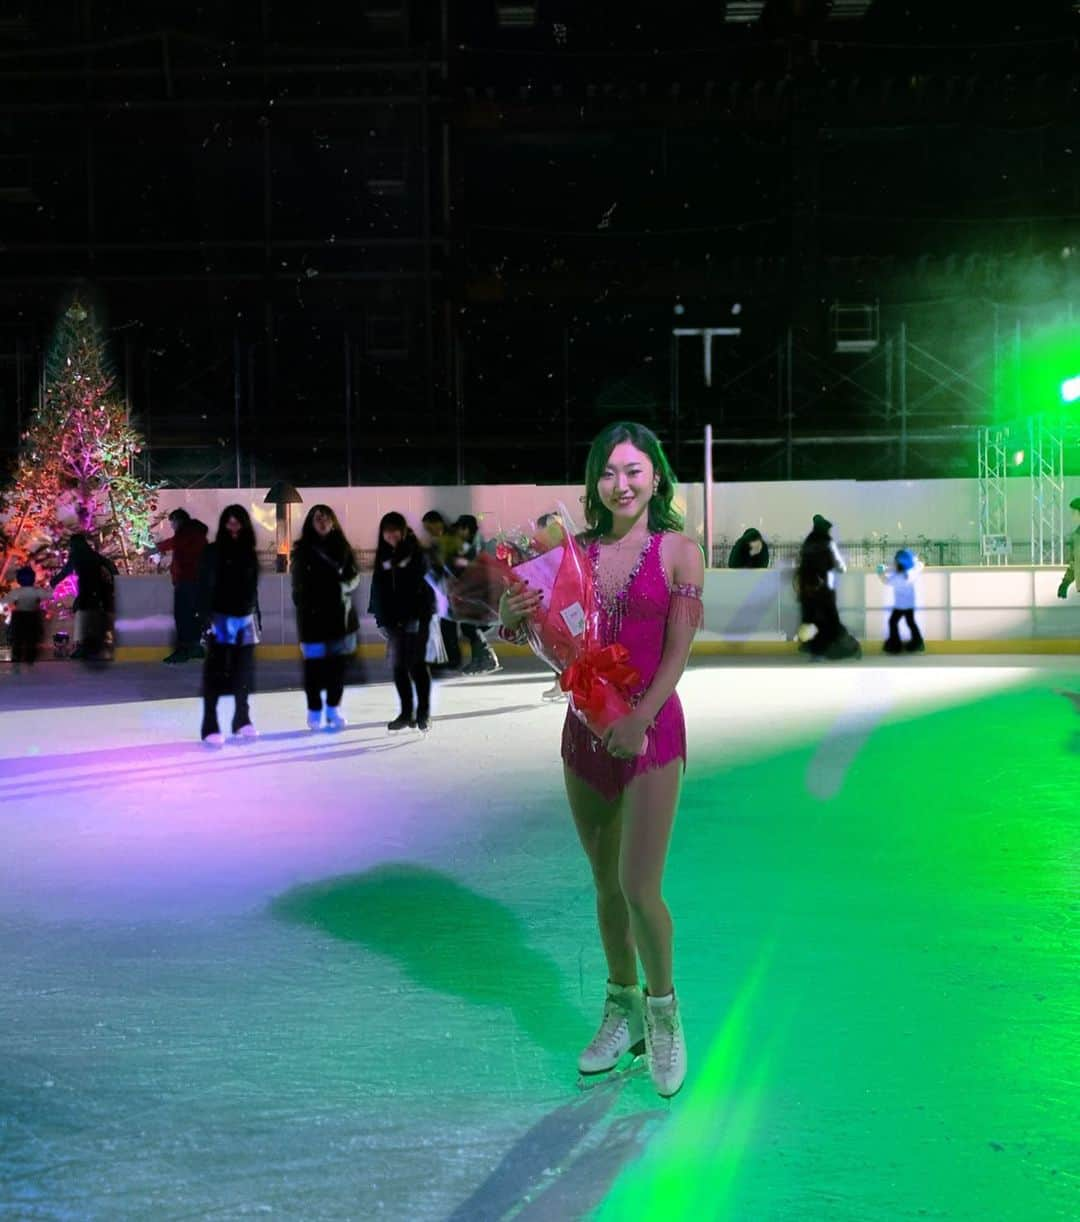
[[611, 1025], [665, 1035]]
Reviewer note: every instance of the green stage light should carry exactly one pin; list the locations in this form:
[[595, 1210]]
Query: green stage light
[[1038, 373]]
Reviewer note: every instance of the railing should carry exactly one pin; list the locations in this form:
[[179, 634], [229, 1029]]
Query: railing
[[861, 554], [868, 553]]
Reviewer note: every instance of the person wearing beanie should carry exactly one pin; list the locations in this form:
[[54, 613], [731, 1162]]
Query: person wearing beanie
[[26, 626], [821, 632], [1072, 552], [907, 567]]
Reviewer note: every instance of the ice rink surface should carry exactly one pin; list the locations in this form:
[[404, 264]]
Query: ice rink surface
[[347, 976]]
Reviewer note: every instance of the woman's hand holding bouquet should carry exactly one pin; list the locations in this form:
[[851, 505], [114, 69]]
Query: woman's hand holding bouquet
[[547, 589]]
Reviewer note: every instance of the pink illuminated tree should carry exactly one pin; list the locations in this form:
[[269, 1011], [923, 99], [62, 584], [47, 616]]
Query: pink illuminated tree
[[75, 466]]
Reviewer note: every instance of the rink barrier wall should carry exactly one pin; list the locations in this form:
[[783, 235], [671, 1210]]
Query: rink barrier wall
[[935, 516], [746, 611]]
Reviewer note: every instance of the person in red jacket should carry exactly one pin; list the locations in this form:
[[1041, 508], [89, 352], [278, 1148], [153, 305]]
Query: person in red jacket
[[187, 543]]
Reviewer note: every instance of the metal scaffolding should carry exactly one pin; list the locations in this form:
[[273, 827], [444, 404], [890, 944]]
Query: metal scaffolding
[[993, 505], [1047, 449]]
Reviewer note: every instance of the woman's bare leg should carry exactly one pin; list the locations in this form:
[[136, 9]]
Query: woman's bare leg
[[647, 816], [598, 824]]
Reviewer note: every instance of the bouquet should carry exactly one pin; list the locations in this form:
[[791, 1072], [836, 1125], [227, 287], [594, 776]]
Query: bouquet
[[564, 632]]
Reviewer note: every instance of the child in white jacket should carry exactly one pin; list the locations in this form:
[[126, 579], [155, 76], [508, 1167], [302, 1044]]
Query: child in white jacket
[[902, 580]]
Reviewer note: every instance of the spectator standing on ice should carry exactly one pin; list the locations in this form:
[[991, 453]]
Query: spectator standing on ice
[[439, 574], [324, 576], [483, 660], [901, 579], [403, 604], [186, 547], [555, 691], [229, 607]]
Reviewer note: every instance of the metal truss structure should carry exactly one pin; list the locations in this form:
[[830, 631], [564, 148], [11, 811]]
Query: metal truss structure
[[994, 542], [1047, 456]]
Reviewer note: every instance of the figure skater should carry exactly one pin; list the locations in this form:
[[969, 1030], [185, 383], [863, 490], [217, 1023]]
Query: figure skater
[[324, 575], [229, 608], [902, 581], [815, 584], [403, 604], [623, 789]]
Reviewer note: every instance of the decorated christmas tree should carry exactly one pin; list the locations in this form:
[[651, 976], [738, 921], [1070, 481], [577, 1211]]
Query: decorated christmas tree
[[75, 466]]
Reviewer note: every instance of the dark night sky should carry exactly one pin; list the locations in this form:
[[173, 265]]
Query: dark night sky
[[398, 242]]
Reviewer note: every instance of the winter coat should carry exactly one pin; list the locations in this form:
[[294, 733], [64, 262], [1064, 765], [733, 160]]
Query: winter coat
[[400, 597], [741, 558], [228, 580], [818, 557], [1072, 554], [96, 575], [187, 548], [324, 575]]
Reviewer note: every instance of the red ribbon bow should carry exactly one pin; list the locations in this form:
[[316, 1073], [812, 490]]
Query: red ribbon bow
[[586, 678]]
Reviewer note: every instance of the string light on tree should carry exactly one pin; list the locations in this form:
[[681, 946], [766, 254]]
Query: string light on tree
[[75, 462]]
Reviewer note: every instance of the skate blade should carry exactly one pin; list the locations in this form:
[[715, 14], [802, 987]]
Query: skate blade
[[632, 1065]]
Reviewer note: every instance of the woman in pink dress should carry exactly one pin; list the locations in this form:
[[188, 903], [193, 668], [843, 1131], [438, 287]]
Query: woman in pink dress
[[624, 788]]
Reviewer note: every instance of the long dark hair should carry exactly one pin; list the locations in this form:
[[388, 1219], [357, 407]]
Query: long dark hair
[[245, 540], [394, 521], [334, 540], [662, 513]]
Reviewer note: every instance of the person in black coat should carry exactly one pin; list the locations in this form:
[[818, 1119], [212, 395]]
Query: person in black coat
[[95, 602], [750, 551], [324, 575], [229, 612], [819, 560], [483, 659], [403, 603]]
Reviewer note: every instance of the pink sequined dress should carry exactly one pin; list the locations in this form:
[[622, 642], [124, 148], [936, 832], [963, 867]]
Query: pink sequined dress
[[637, 617]]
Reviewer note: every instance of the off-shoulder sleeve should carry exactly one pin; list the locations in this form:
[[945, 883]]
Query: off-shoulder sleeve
[[686, 606]]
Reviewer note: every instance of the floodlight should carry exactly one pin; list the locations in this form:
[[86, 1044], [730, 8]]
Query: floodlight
[[848, 10], [743, 12], [520, 16]]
